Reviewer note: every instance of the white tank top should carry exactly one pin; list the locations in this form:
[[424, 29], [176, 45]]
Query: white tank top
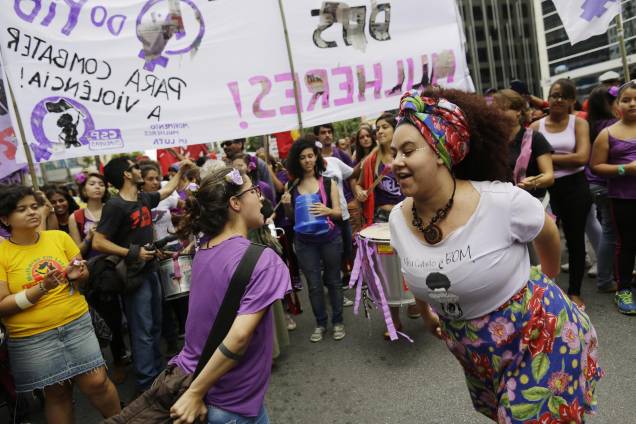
[[563, 142]]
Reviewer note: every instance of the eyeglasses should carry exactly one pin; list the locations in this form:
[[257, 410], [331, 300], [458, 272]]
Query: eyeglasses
[[404, 155], [254, 188]]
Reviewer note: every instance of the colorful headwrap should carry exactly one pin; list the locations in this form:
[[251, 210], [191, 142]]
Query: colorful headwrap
[[441, 123]]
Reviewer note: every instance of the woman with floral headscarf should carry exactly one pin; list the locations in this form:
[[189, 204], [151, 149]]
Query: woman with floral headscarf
[[529, 354]]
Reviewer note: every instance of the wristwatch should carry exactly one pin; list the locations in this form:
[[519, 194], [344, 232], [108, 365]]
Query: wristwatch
[[621, 170]]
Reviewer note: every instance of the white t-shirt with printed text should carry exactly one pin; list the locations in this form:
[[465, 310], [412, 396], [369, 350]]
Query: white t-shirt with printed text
[[479, 266], [339, 172]]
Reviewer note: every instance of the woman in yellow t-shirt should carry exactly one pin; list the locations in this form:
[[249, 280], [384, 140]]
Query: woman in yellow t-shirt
[[51, 342]]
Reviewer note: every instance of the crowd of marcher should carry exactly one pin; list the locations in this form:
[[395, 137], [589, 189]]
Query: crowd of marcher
[[90, 266]]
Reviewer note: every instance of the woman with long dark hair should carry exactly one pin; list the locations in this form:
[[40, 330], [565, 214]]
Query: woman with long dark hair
[[233, 383], [527, 351], [93, 190], [51, 342], [319, 255], [377, 202], [570, 197], [63, 206], [601, 114], [614, 157], [364, 143]]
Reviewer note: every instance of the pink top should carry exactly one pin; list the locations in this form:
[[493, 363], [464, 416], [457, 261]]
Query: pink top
[[563, 142]]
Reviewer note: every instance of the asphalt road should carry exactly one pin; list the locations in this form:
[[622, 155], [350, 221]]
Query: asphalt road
[[364, 379]]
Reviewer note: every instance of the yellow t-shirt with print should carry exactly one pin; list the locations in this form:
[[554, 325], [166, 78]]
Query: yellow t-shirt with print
[[24, 266]]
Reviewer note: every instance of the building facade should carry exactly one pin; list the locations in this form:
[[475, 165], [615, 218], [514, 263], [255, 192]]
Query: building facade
[[501, 43], [584, 61]]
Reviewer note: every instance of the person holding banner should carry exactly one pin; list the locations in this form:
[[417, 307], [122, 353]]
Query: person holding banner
[[529, 354], [124, 230], [52, 344], [319, 253]]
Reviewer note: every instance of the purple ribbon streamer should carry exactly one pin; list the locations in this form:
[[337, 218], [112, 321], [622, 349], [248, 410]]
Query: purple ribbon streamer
[[363, 266]]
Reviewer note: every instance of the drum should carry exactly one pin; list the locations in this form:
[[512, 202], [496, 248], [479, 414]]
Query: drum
[[396, 291], [175, 275]]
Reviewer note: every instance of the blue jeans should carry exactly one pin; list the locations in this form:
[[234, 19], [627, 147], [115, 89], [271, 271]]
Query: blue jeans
[[143, 311], [220, 416], [607, 242], [310, 257]]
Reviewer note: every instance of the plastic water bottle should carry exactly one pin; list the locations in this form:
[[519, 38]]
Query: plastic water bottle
[[306, 222]]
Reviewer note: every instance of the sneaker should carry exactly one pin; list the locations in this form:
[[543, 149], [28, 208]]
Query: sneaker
[[625, 301], [346, 301], [565, 267], [338, 332], [593, 271], [316, 336], [291, 324]]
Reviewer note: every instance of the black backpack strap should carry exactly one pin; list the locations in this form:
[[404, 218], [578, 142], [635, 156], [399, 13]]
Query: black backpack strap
[[231, 302]]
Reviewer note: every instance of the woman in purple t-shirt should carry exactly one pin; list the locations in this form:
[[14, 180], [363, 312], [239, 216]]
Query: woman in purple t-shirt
[[614, 157], [232, 386]]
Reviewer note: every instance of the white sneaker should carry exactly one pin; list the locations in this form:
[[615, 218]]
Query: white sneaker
[[346, 301], [316, 336], [291, 324], [338, 332], [565, 267], [593, 271]]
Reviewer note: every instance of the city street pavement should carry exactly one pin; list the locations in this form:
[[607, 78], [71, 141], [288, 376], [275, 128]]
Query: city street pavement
[[364, 379]]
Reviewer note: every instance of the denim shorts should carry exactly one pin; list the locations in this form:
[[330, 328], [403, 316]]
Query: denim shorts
[[54, 356], [221, 416]]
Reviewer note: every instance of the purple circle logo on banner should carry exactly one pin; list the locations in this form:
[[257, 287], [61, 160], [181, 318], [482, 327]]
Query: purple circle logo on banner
[[59, 123], [155, 33]]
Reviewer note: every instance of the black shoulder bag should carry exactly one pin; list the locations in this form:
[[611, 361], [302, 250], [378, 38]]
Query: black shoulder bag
[[153, 406]]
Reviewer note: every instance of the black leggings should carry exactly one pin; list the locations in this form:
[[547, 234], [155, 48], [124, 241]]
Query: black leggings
[[571, 200], [624, 215]]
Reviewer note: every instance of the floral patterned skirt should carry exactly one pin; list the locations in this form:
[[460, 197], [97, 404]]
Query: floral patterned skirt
[[534, 360]]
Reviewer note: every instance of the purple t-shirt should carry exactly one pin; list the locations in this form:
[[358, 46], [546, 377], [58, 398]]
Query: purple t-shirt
[[267, 191], [242, 390], [387, 192], [621, 152], [598, 127]]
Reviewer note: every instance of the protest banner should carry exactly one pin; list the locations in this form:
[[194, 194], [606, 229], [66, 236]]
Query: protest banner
[[8, 140], [100, 78], [356, 58]]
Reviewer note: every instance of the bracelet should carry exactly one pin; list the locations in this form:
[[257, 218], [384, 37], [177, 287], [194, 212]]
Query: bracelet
[[229, 354], [22, 300], [621, 170]]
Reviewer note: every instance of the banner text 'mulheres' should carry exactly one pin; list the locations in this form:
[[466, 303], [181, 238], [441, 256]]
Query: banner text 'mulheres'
[[344, 85]]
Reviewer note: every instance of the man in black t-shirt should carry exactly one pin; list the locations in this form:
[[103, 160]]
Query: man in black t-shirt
[[124, 228]]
